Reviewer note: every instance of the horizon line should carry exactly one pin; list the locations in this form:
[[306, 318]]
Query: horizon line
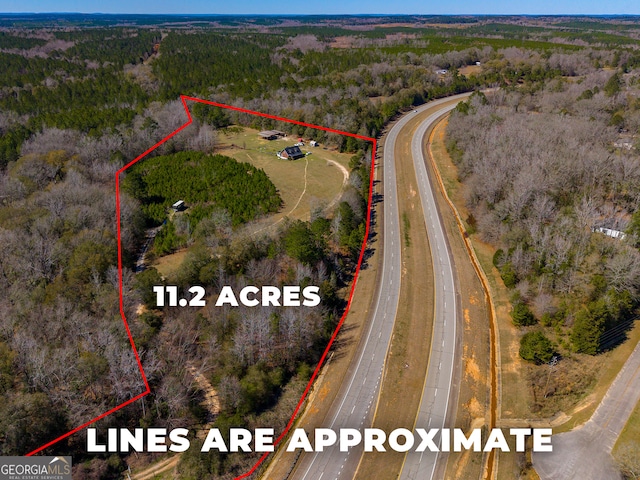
[[334, 14]]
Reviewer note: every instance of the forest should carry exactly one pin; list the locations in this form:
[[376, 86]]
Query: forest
[[60, 278], [208, 182], [548, 159], [551, 175]]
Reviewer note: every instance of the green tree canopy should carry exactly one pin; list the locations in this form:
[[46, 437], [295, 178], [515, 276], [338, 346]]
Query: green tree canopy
[[536, 348], [300, 243], [522, 315]]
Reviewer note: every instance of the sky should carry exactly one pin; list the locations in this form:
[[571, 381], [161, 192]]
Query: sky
[[550, 7]]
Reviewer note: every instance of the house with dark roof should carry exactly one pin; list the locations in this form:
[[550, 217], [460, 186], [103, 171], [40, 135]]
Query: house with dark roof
[[291, 153]]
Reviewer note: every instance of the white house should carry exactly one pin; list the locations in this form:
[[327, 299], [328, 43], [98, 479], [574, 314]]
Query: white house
[[610, 232]]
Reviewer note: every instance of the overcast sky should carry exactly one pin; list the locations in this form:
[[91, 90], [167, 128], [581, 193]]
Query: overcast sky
[[600, 7]]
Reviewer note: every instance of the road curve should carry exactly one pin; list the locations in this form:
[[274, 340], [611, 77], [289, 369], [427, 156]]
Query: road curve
[[354, 404], [437, 392]]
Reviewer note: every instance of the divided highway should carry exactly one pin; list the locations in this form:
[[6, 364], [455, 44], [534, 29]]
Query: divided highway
[[356, 400]]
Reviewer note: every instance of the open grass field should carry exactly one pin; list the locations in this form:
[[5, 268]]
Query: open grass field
[[468, 70], [168, 265], [307, 184], [313, 183]]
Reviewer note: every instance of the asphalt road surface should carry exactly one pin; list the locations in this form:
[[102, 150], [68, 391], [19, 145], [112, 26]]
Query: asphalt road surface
[[585, 453], [353, 405], [437, 392], [355, 402]]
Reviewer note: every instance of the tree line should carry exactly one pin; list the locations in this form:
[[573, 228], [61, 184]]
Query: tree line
[[218, 181], [545, 170]]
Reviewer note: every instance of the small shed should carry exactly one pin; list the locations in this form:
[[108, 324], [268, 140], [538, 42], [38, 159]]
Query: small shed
[[313, 143], [178, 206], [291, 153]]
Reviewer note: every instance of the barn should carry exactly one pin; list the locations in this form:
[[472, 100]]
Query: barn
[[271, 134]]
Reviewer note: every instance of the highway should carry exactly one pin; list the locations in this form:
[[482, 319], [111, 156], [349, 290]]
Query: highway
[[437, 392], [356, 400]]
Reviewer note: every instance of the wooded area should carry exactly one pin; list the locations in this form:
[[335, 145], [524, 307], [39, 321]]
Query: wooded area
[[204, 182], [552, 174], [547, 159]]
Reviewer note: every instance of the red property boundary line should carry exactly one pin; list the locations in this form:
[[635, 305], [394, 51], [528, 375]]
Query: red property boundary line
[[184, 100]]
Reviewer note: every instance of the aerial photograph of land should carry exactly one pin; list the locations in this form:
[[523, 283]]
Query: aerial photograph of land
[[411, 233]]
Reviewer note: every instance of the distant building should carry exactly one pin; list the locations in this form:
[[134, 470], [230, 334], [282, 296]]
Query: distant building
[[313, 143], [624, 143], [610, 232], [291, 153], [442, 72], [271, 134], [179, 206]]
